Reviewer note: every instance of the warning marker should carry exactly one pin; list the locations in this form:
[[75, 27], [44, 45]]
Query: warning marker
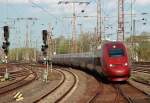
[[18, 96]]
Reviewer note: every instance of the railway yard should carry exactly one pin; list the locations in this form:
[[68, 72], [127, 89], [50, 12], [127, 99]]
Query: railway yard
[[67, 85], [75, 51]]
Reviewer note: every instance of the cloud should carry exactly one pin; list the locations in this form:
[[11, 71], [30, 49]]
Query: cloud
[[27, 1], [45, 1], [110, 2], [140, 2], [14, 1], [143, 2]]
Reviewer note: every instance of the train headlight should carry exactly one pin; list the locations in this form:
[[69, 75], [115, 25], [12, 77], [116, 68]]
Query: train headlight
[[110, 65], [126, 64]]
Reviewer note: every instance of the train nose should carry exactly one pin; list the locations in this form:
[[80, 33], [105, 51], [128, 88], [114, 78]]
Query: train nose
[[118, 71]]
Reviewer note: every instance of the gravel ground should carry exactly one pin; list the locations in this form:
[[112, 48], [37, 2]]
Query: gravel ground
[[141, 77], [135, 94], [33, 90], [85, 88], [88, 87], [2, 84], [10, 68], [142, 87], [61, 90], [108, 95]]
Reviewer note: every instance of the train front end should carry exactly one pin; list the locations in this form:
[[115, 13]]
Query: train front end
[[115, 61]]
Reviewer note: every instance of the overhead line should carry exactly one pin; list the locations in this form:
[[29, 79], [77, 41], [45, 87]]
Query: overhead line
[[44, 10]]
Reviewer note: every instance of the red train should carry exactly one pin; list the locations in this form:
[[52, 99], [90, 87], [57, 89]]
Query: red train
[[114, 61], [111, 60]]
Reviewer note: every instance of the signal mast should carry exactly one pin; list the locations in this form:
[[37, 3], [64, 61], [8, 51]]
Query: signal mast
[[5, 46], [44, 51]]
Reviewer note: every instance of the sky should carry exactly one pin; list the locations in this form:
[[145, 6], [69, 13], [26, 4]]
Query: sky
[[47, 13]]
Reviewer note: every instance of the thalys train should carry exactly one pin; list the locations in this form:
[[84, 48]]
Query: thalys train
[[111, 60]]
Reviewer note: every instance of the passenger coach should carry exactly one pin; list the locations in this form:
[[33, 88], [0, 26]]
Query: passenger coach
[[111, 60]]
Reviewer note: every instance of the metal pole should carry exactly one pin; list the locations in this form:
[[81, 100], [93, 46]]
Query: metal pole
[[35, 51], [6, 76], [100, 21], [132, 35], [97, 21], [17, 47], [81, 32], [120, 34], [50, 46], [74, 45]]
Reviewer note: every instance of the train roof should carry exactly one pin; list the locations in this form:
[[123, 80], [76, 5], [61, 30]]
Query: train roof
[[118, 43], [114, 42], [85, 54]]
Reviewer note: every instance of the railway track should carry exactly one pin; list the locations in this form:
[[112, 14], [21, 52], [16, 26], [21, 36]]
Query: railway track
[[142, 63], [62, 90], [99, 91], [118, 95], [96, 96], [132, 94], [26, 79], [141, 71], [142, 67]]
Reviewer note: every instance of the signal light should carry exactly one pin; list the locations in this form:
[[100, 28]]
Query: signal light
[[44, 53], [6, 37], [44, 32], [5, 45], [6, 51], [6, 32], [45, 46], [43, 49], [6, 29]]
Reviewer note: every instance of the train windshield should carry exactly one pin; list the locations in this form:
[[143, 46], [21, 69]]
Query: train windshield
[[117, 52]]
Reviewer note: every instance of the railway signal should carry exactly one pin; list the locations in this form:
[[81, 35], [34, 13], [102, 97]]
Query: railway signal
[[44, 50], [5, 46], [6, 33], [45, 46], [6, 43], [44, 32]]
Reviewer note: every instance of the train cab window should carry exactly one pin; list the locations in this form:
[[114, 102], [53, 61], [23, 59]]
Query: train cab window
[[117, 52]]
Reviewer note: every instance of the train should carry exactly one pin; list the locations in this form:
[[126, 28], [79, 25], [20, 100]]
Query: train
[[110, 60]]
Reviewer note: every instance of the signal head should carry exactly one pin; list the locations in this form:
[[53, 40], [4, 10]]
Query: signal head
[[6, 51], [6, 29], [46, 46], [6, 32], [4, 46], [44, 53], [44, 33], [7, 43], [43, 48]]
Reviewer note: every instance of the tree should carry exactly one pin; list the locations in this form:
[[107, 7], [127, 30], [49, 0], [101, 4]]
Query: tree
[[140, 46]]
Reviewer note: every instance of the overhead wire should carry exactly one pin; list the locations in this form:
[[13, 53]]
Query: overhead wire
[[43, 9]]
